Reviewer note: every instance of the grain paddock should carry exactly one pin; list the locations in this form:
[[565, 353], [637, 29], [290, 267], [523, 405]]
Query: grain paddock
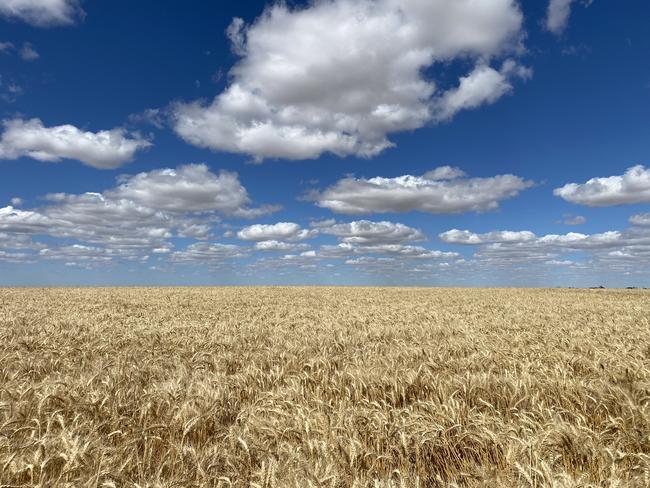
[[324, 387]]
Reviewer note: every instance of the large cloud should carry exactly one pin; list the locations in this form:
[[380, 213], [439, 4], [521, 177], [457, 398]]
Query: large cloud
[[453, 194], [105, 149], [341, 75], [631, 187], [42, 12]]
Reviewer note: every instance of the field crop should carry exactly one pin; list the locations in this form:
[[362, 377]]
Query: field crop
[[324, 387]]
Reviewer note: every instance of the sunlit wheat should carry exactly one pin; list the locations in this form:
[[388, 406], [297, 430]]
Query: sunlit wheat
[[324, 387]]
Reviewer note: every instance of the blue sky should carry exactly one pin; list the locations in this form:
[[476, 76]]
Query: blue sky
[[405, 142]]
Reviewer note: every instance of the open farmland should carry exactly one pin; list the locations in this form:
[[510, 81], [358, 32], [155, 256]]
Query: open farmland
[[331, 387]]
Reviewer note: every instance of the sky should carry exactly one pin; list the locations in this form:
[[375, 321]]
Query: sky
[[325, 142]]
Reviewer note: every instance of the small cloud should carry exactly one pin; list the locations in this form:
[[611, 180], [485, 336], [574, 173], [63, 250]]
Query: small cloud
[[28, 53], [153, 116], [217, 76], [574, 220], [579, 50], [6, 47]]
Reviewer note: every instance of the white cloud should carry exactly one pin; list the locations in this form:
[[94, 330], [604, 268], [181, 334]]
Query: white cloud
[[555, 262], [574, 220], [139, 215], [365, 232], [456, 236], [42, 13], [17, 241], [397, 252], [631, 187], [557, 16], [280, 246], [341, 76], [558, 13], [6, 47], [282, 231], [641, 220], [205, 252], [105, 149], [444, 173], [377, 247], [484, 85], [605, 250], [77, 255], [186, 189], [14, 257], [422, 193], [28, 53]]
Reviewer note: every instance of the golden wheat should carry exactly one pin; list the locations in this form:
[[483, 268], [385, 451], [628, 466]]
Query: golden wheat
[[324, 387]]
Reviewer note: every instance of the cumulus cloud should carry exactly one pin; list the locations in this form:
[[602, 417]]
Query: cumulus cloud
[[456, 236], [571, 240], [280, 246], [364, 237], [28, 53], [631, 187], [365, 232], [15, 257], [42, 13], [574, 220], [641, 220], [282, 231], [140, 215], [205, 252], [341, 76], [396, 251], [483, 86], [6, 47], [105, 149], [615, 250], [558, 13], [374, 247], [423, 193], [189, 188], [78, 255]]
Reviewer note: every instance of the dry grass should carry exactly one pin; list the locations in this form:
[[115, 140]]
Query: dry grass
[[336, 387]]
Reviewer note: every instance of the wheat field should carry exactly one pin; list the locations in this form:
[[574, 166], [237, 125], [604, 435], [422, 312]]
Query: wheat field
[[324, 387]]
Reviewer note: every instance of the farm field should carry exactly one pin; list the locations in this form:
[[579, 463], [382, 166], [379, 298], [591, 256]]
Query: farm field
[[324, 387]]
